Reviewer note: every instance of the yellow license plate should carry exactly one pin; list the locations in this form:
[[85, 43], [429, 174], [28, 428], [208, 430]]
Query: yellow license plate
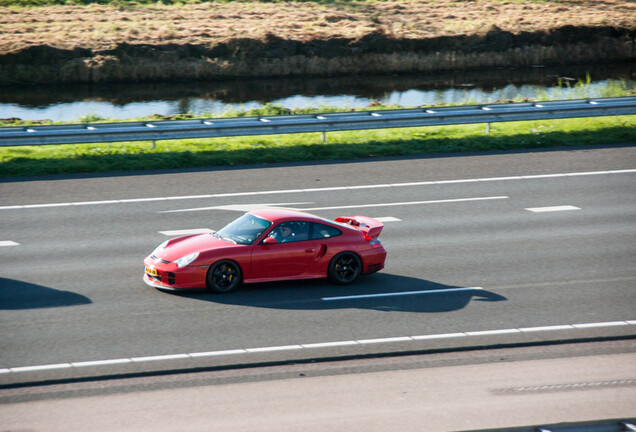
[[151, 271]]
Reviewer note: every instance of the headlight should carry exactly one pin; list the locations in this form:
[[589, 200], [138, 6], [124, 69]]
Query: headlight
[[184, 261], [159, 248]]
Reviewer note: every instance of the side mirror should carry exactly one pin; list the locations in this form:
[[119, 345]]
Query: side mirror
[[270, 241]]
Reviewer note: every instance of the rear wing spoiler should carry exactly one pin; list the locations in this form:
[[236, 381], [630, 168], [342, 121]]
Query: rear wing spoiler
[[371, 227]]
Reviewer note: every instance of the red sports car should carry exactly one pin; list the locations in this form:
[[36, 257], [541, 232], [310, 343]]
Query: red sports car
[[269, 245]]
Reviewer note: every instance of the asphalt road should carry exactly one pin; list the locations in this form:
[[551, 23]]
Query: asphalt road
[[545, 254], [561, 388]]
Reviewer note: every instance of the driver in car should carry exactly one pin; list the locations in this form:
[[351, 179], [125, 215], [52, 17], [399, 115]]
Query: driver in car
[[283, 233]]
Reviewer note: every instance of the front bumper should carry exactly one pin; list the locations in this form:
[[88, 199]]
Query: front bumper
[[169, 276]]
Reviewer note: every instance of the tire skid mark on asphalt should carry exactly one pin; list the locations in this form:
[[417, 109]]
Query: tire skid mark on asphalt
[[398, 339]]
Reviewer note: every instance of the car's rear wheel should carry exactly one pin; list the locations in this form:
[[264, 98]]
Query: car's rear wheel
[[345, 268], [224, 276]]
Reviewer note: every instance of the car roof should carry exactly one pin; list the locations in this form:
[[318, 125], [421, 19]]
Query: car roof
[[280, 214]]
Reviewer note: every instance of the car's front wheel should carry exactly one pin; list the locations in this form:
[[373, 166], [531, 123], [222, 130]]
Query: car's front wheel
[[345, 268], [224, 276]]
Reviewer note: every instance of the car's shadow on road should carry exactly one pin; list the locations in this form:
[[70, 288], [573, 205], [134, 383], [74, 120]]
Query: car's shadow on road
[[382, 291], [18, 295]]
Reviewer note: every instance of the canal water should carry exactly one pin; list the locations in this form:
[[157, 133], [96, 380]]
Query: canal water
[[131, 100]]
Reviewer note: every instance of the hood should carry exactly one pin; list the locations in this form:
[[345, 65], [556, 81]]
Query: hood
[[182, 246]]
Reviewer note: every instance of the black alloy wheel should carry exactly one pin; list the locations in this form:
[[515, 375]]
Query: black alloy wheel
[[224, 277], [345, 268]]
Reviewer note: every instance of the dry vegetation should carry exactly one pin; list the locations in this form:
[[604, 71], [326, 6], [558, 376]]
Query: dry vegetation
[[225, 39], [101, 27]]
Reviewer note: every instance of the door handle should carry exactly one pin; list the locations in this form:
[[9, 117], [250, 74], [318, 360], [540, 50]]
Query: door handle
[[310, 250]]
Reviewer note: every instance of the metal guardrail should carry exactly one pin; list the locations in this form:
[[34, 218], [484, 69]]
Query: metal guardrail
[[267, 125]]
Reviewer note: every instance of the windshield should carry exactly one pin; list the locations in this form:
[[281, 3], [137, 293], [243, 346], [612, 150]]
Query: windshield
[[244, 230]]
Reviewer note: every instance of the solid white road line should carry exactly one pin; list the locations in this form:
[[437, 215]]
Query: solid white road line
[[492, 332], [8, 243], [552, 209], [335, 188], [175, 233], [101, 362], [329, 344], [160, 358], [385, 340], [546, 328], [404, 293], [217, 353], [601, 324], [439, 336], [274, 348], [41, 368], [399, 339]]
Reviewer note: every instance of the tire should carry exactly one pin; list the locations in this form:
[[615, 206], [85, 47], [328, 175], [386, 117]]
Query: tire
[[345, 268], [223, 277]]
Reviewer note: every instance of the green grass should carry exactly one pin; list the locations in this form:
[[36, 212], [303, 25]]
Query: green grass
[[83, 158]]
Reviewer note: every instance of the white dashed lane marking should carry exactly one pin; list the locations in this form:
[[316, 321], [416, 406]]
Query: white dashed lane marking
[[552, 209], [8, 243], [388, 219]]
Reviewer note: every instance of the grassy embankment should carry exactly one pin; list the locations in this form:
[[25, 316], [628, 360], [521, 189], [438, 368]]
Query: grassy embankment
[[41, 160], [81, 41], [97, 41]]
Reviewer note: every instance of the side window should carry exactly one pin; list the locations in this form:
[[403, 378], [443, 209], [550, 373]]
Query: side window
[[320, 231], [293, 231]]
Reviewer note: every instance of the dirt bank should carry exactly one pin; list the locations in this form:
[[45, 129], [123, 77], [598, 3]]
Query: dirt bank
[[98, 43]]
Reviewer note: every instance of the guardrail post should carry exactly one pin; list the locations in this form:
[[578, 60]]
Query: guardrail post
[[336, 122]]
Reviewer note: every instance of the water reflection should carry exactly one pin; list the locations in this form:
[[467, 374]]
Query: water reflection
[[125, 100]]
